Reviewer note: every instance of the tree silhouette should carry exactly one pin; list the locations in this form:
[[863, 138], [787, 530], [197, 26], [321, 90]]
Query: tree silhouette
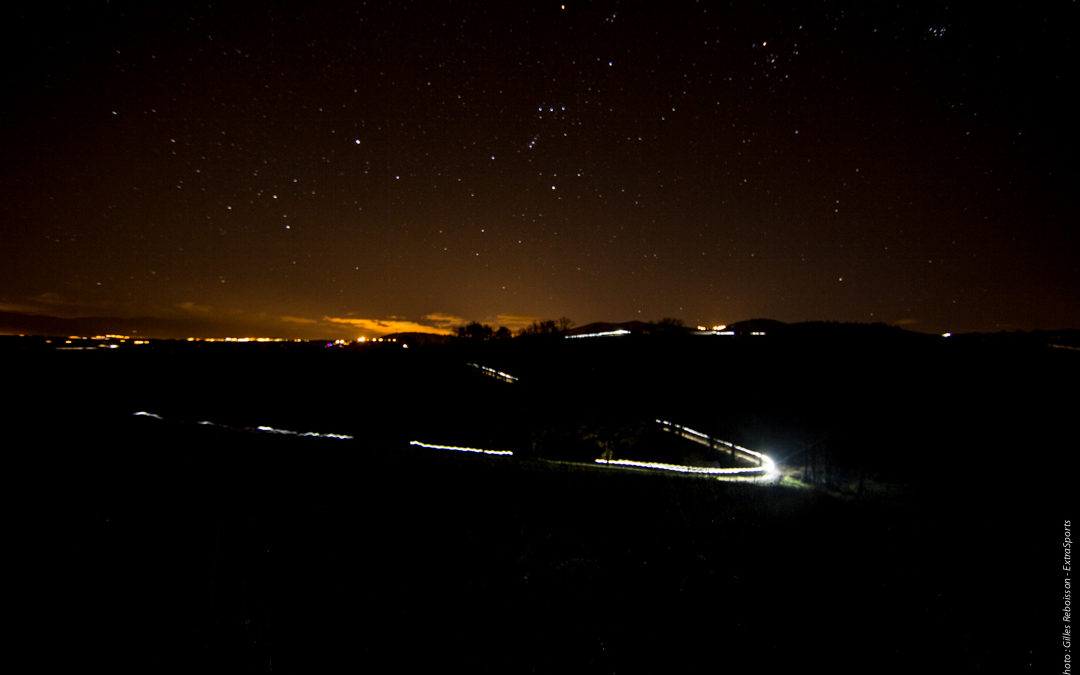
[[474, 331], [668, 326], [545, 327]]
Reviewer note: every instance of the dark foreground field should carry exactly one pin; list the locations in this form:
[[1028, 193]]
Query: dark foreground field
[[160, 545]]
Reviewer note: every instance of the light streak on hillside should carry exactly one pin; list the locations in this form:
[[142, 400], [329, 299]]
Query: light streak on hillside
[[607, 333], [497, 374], [263, 429], [764, 471], [685, 468], [456, 448], [308, 434]]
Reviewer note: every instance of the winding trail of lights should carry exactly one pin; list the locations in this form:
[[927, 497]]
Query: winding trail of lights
[[684, 468], [764, 471]]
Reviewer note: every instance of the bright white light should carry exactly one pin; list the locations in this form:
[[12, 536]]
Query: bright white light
[[621, 331], [142, 413], [456, 448], [682, 468]]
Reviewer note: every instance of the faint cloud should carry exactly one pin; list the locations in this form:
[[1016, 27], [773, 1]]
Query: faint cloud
[[376, 327], [189, 306], [20, 307], [48, 304], [445, 321], [300, 320], [906, 322], [49, 298], [512, 321]]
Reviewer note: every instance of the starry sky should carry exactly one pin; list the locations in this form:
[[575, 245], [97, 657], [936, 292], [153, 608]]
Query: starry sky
[[311, 169]]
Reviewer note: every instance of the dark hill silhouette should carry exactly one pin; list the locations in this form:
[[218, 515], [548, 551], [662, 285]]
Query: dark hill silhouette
[[337, 548]]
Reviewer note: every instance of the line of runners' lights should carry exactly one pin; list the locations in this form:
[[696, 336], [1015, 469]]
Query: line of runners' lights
[[264, 429], [765, 470], [497, 374], [684, 468], [309, 434], [457, 448], [766, 466]]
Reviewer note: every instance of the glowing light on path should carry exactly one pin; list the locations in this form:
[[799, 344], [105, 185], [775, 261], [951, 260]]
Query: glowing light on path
[[456, 448], [264, 429], [309, 434], [684, 468], [764, 471], [497, 374]]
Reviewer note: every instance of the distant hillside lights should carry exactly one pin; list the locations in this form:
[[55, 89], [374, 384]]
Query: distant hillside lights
[[716, 330], [607, 333], [722, 329]]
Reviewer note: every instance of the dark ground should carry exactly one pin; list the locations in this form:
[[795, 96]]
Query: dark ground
[[162, 545]]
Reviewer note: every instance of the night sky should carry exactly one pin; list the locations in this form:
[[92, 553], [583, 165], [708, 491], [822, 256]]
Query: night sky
[[341, 169]]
